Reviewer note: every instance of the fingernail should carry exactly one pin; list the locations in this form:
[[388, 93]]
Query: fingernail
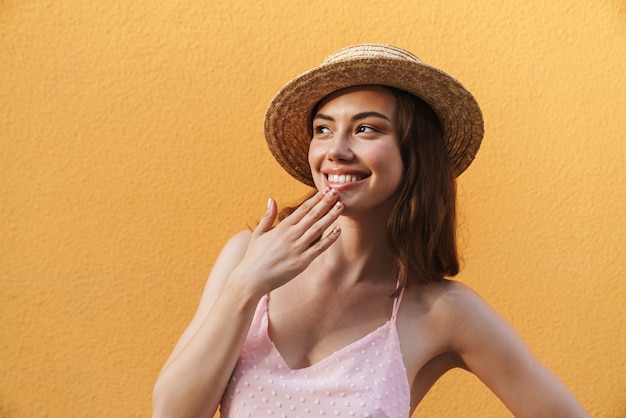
[[336, 230], [269, 202], [325, 190], [333, 192], [337, 206]]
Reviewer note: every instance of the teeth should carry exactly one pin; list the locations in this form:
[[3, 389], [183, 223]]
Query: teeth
[[336, 178]]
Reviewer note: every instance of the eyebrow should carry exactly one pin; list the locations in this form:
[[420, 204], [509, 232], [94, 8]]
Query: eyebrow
[[356, 117]]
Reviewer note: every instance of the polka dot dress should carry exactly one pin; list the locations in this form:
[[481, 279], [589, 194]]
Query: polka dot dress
[[365, 379]]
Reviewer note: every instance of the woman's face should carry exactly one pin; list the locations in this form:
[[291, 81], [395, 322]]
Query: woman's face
[[355, 147]]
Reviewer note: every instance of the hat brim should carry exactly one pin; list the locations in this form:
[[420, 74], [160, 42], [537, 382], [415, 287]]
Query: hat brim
[[288, 115]]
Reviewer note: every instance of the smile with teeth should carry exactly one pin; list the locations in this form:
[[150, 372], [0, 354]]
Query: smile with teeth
[[342, 178]]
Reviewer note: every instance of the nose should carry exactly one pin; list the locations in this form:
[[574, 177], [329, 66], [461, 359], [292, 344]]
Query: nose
[[340, 148]]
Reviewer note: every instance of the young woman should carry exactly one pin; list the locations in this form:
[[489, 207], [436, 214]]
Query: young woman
[[345, 307]]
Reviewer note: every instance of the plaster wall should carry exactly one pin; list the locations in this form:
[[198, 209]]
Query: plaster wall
[[131, 149]]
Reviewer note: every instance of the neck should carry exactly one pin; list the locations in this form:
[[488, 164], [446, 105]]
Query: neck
[[361, 253]]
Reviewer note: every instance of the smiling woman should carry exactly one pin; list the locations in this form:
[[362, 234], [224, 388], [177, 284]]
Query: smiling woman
[[355, 148], [347, 306]]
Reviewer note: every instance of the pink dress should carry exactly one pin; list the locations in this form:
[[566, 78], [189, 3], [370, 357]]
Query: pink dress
[[364, 379]]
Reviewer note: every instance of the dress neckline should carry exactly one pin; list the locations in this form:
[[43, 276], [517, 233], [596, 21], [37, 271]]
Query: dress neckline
[[391, 322]]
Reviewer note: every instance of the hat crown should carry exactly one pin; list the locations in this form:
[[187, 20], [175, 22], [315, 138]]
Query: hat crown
[[287, 121], [370, 51]]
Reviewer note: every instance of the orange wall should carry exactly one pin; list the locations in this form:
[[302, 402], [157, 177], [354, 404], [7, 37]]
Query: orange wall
[[132, 148]]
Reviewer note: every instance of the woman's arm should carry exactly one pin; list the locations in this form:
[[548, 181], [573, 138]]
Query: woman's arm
[[195, 375], [492, 350], [251, 264]]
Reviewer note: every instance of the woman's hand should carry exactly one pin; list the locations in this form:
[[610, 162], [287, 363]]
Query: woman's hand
[[251, 264], [277, 255]]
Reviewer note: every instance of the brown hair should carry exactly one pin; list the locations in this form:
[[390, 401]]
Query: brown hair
[[421, 229]]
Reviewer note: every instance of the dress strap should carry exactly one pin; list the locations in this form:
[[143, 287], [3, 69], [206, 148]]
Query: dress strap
[[396, 304]]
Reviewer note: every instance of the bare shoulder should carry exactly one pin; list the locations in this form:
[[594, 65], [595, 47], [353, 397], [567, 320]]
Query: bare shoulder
[[492, 349], [465, 314], [453, 316], [431, 317], [459, 302], [228, 259], [230, 256], [233, 251], [455, 295], [447, 300], [239, 241], [472, 335]]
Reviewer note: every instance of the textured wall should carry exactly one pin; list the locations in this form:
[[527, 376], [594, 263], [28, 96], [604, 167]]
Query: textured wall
[[131, 149]]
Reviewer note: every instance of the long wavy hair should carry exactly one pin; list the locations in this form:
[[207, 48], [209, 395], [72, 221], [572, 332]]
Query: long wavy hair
[[421, 229]]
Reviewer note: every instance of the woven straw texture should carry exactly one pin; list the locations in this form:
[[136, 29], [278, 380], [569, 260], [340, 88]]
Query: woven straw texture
[[288, 115]]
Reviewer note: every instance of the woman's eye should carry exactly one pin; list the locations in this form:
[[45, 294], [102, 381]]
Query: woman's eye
[[365, 129], [321, 130]]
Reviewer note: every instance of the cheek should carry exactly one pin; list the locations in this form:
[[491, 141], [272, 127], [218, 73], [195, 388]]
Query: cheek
[[317, 153], [315, 156], [312, 156], [389, 161]]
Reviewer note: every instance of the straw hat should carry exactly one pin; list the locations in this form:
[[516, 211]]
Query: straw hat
[[288, 115]]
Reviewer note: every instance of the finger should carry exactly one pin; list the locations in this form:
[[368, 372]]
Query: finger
[[306, 207], [324, 198], [315, 210], [317, 228], [323, 244], [267, 221]]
